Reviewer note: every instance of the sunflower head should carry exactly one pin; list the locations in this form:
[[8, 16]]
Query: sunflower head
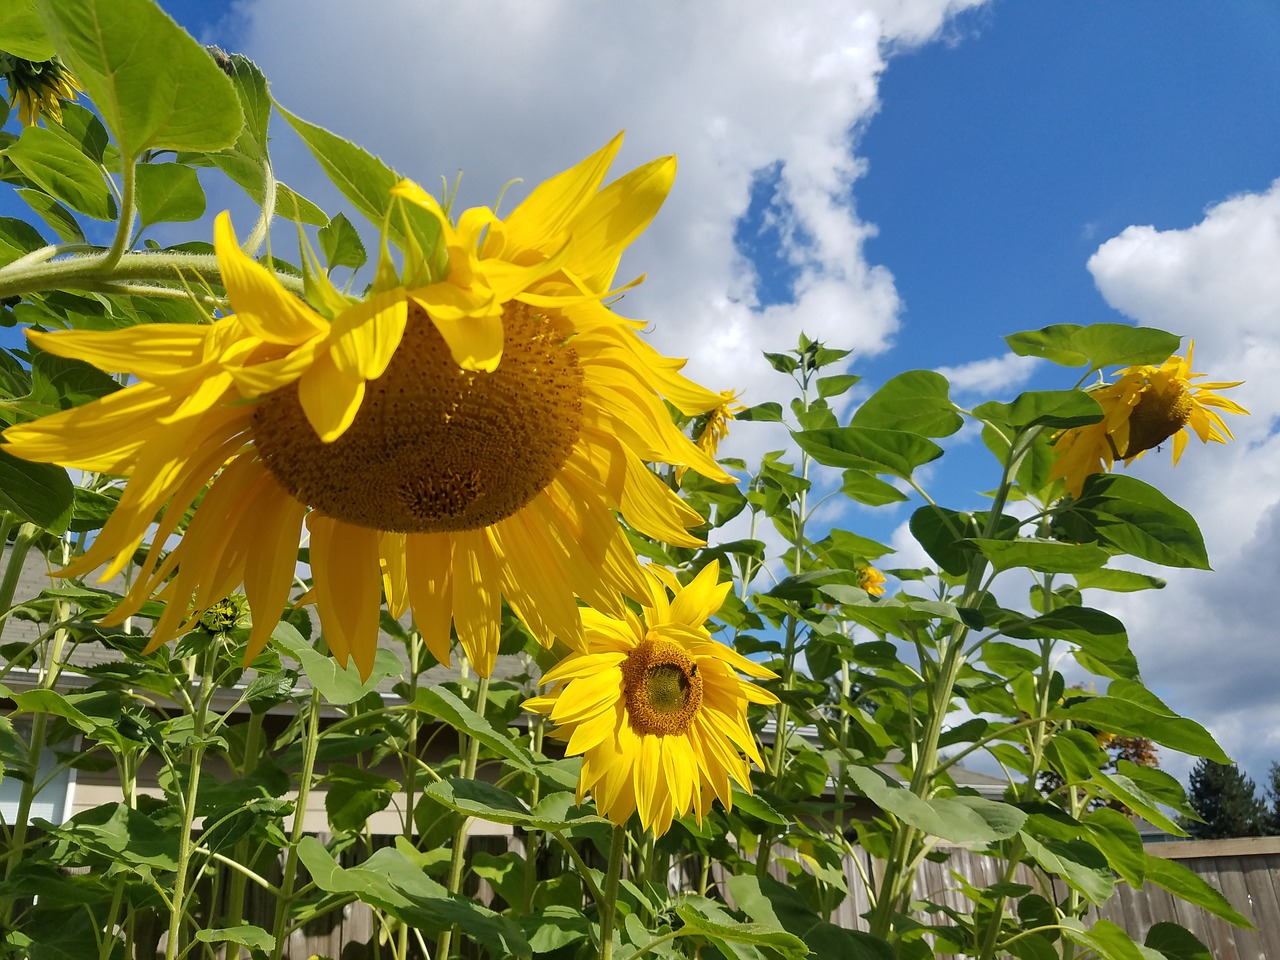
[[460, 440], [37, 87], [871, 580], [1142, 408], [656, 707]]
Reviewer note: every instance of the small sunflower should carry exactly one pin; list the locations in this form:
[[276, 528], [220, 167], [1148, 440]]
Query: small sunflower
[[715, 426], [1142, 408], [871, 580], [37, 88], [656, 706], [454, 440]]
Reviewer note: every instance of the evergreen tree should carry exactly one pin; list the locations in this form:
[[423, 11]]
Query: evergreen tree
[[1227, 801], [1273, 799]]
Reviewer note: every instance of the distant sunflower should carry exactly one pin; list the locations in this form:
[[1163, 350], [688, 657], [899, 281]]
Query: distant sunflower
[[1142, 408], [656, 707], [455, 440], [37, 87], [871, 580], [715, 426]]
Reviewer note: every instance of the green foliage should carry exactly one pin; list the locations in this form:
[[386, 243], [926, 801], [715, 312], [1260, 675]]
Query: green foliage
[[1226, 803]]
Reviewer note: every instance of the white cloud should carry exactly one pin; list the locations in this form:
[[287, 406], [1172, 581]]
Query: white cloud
[[995, 376], [510, 88], [1208, 642]]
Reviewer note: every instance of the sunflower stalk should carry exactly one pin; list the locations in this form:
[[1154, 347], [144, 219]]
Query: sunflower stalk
[[609, 905], [310, 746], [458, 855]]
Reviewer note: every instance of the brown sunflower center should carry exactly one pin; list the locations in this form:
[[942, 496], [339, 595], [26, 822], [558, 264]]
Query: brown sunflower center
[[435, 448], [662, 688], [1157, 416]]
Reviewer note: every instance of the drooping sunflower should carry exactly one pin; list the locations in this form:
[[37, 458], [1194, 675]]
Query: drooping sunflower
[[37, 87], [454, 440], [1142, 408], [656, 707], [714, 426]]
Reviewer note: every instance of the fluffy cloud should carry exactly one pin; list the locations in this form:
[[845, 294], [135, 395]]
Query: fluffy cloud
[[511, 88], [1208, 641], [993, 377]]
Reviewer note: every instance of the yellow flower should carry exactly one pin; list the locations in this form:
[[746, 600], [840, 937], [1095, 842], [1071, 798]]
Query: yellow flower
[[656, 706], [715, 426], [871, 580], [36, 88], [453, 441], [1144, 407]]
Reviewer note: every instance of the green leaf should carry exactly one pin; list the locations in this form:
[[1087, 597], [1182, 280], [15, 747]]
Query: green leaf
[[61, 170], [447, 707], [1098, 345], [783, 362], [39, 493], [17, 238], [1108, 940], [695, 920], [869, 489], [1135, 517], [1046, 556], [1101, 635], [341, 244], [1043, 408], [21, 32], [1118, 581], [776, 905], [353, 795], [770, 412], [59, 218], [255, 938], [292, 205], [366, 181], [836, 385], [867, 448], [122, 835], [1130, 718], [916, 401], [155, 87], [1176, 943], [168, 193], [1187, 885], [1118, 840], [554, 927], [476, 798], [338, 685], [1078, 863], [1129, 793], [958, 819], [391, 881]]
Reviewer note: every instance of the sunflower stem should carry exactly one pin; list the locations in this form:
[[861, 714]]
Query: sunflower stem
[[458, 857], [609, 905], [310, 746]]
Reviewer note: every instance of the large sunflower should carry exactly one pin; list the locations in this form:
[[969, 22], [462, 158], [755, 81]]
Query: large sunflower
[[656, 706], [455, 440], [1142, 408]]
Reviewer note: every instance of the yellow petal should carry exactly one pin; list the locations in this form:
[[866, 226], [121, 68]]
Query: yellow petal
[[270, 567], [391, 555], [534, 583], [701, 598], [475, 338], [366, 335], [543, 217], [477, 600], [148, 351], [344, 566], [429, 570], [329, 398], [614, 218], [264, 307]]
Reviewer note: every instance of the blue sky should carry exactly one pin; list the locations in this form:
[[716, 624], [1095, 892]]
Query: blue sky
[[911, 178]]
